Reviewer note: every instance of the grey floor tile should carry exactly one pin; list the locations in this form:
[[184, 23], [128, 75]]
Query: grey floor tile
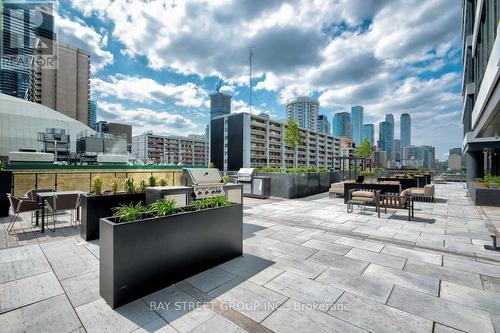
[[218, 324], [485, 300], [472, 266], [305, 268], [360, 285], [414, 254], [359, 243], [18, 293], [449, 313], [304, 290], [298, 251], [338, 261], [323, 245], [21, 268], [439, 328], [491, 283], [50, 315], [210, 279], [246, 266], [82, 289], [294, 316], [157, 326], [377, 258], [266, 275], [98, 316], [405, 279], [444, 273], [377, 317]]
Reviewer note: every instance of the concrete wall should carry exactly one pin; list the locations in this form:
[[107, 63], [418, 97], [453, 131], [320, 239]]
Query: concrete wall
[[483, 196]]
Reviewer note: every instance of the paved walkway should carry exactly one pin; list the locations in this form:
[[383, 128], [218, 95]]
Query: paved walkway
[[308, 267]]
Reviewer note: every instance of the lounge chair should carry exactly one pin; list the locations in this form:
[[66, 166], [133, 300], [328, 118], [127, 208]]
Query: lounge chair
[[337, 189], [404, 200], [425, 194]]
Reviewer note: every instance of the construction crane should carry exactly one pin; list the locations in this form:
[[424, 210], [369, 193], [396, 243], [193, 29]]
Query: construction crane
[[217, 88]]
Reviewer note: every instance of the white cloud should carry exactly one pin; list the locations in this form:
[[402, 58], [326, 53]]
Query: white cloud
[[148, 91], [78, 33]]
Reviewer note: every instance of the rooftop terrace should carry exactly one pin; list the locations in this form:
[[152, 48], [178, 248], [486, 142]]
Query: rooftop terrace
[[307, 266]]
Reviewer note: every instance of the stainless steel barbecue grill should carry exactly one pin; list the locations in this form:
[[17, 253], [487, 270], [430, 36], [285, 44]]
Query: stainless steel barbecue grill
[[206, 183], [245, 175]]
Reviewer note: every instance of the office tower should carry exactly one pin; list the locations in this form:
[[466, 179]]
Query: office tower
[[244, 140], [379, 159], [65, 87], [369, 133], [397, 149], [220, 104], [419, 156], [389, 118], [385, 138], [305, 111], [481, 90], [323, 124], [455, 159], [341, 124], [169, 149], [405, 130], [357, 124], [92, 114]]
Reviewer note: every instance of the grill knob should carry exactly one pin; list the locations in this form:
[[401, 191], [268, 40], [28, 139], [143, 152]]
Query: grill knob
[[206, 192]]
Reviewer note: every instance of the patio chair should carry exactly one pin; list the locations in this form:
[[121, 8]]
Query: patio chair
[[337, 189], [32, 195], [20, 205], [368, 196], [404, 200], [64, 202], [425, 194]]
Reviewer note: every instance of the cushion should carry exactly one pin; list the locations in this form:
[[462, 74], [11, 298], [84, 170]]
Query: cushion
[[363, 194], [365, 199], [406, 193], [417, 191]]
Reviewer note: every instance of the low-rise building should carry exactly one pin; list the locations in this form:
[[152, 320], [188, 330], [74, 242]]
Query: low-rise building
[[379, 159], [173, 150], [455, 159], [243, 140]]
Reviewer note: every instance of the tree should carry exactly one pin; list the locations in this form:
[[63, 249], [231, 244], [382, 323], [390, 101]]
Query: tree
[[292, 135], [364, 150]]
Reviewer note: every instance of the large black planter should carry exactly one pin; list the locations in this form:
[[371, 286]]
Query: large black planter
[[95, 207], [299, 185], [384, 188], [405, 182], [140, 257], [5, 187], [483, 196]]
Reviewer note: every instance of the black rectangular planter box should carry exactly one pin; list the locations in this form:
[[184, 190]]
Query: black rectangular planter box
[[405, 182], [384, 188], [143, 256], [483, 196], [299, 185], [95, 207], [5, 187]]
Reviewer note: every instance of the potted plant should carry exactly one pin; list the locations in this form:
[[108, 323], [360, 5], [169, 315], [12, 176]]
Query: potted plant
[[152, 181], [163, 182], [144, 249], [97, 204], [5, 188]]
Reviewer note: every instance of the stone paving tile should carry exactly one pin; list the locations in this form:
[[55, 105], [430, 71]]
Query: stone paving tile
[[304, 290], [259, 251], [360, 285], [491, 283], [472, 266], [377, 317], [362, 244], [306, 268], [413, 254], [158, 326], [290, 237], [334, 260], [438, 328], [294, 317], [292, 250], [485, 300], [266, 275], [21, 268], [405, 279], [22, 292], [98, 316], [82, 289], [246, 266], [323, 245], [449, 313], [218, 324], [50, 315], [252, 300], [377, 258], [210, 279]]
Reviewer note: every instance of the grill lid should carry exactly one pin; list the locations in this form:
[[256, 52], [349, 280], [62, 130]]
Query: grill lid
[[246, 172], [198, 176]]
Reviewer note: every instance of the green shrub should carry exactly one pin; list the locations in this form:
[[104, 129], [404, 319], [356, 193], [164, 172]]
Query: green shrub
[[164, 207], [152, 181], [218, 201], [115, 185], [163, 182], [226, 179], [129, 185], [367, 173], [142, 186], [130, 212], [97, 185], [270, 169]]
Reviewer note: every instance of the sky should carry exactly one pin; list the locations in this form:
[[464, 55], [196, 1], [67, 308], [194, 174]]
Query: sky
[[154, 63]]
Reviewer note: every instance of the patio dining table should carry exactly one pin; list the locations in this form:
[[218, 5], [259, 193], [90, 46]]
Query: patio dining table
[[42, 197]]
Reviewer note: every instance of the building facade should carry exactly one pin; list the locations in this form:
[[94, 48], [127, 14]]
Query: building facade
[[305, 111], [379, 159], [455, 159], [389, 118], [405, 130], [323, 124], [243, 140], [171, 150], [341, 125], [92, 117], [419, 156], [220, 104], [385, 138], [116, 129], [357, 124], [65, 88], [397, 149], [480, 88], [369, 133]]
